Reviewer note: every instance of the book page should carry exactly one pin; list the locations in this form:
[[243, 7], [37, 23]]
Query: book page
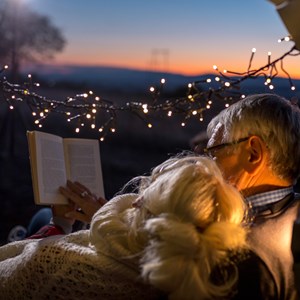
[[83, 164], [50, 168]]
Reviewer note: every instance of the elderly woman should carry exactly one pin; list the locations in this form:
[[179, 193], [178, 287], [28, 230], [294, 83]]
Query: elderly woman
[[166, 241]]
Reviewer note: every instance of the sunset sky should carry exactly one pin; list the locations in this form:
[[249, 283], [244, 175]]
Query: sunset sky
[[186, 37]]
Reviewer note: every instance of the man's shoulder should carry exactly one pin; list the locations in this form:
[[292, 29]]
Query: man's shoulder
[[270, 231], [276, 210], [270, 237]]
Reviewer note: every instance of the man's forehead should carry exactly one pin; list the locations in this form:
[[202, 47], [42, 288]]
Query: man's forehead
[[216, 136]]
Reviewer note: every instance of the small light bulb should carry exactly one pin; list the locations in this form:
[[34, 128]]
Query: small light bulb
[[253, 50]]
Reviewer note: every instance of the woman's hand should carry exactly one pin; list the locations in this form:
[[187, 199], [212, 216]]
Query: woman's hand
[[85, 204]]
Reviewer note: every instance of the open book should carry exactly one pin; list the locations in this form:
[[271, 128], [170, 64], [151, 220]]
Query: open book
[[53, 160]]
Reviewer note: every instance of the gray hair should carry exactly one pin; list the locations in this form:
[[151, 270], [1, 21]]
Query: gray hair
[[275, 120]]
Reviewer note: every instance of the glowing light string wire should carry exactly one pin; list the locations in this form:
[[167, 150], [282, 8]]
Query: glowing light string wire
[[101, 114]]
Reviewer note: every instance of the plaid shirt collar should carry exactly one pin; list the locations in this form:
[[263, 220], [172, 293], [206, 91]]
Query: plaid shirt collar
[[262, 199]]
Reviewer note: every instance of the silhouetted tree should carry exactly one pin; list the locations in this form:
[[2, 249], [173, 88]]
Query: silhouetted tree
[[26, 36]]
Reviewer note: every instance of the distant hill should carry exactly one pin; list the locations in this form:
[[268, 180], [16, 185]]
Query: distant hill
[[128, 80], [110, 77]]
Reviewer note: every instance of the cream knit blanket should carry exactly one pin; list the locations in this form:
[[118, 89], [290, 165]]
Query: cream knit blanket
[[70, 267]]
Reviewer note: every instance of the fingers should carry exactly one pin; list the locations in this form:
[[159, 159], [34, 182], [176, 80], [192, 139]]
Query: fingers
[[59, 213], [60, 210], [83, 199], [73, 196], [78, 188], [101, 201]]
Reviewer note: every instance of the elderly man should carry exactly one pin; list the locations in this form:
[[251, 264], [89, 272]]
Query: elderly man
[[256, 143]]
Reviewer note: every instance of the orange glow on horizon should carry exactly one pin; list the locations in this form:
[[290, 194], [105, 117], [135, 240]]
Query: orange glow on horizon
[[181, 61], [183, 68]]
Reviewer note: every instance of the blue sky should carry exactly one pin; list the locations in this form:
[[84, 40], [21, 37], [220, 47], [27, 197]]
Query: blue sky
[[179, 36]]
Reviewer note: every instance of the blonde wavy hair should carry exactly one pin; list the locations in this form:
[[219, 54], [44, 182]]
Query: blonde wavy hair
[[183, 223]]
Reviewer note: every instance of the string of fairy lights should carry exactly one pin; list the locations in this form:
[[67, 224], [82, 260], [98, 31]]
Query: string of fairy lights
[[90, 110]]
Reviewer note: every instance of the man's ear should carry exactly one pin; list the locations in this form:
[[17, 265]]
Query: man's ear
[[256, 154]]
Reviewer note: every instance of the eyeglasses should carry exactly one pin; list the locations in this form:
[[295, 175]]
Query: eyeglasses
[[210, 151]]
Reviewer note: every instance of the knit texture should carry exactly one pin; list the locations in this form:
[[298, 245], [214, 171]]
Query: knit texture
[[68, 267]]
